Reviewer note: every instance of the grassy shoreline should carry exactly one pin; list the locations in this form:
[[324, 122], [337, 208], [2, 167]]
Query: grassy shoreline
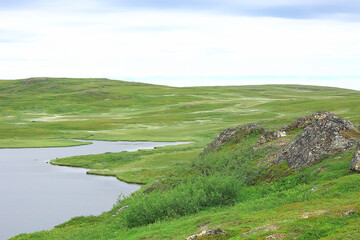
[[36, 143], [140, 167]]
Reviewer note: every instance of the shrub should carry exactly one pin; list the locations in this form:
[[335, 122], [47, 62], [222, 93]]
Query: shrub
[[240, 164], [194, 195]]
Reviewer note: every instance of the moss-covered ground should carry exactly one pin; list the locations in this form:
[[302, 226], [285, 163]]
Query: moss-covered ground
[[224, 189]]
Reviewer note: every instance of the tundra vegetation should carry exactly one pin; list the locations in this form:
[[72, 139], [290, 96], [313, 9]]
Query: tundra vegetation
[[185, 193]]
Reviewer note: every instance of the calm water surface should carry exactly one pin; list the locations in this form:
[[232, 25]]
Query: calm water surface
[[35, 195]]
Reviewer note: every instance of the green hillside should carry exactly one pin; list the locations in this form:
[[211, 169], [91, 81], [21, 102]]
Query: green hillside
[[45, 111], [184, 193]]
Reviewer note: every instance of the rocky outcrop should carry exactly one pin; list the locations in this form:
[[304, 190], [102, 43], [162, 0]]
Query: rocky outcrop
[[233, 133], [355, 161], [324, 133]]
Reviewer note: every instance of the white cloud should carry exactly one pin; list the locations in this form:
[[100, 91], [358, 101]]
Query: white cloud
[[174, 43]]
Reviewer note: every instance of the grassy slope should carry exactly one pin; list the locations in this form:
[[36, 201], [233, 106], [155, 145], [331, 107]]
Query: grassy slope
[[38, 111], [285, 208], [52, 109]]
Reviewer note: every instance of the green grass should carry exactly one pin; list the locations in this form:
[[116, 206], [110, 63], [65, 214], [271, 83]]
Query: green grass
[[31, 143], [102, 109], [226, 189], [142, 167]]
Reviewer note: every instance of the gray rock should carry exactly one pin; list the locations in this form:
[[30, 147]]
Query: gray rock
[[305, 121], [355, 161], [121, 210], [232, 134], [349, 212], [270, 136], [206, 233], [324, 133]]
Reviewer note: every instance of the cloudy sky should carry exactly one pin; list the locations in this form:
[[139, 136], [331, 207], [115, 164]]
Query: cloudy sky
[[183, 42]]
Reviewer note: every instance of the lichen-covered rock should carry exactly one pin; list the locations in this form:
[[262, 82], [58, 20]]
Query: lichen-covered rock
[[232, 133], [305, 121], [355, 161], [270, 136], [206, 233], [324, 133]]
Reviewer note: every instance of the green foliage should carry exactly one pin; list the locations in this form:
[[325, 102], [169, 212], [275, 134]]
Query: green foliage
[[239, 162], [218, 180], [223, 179], [194, 195]]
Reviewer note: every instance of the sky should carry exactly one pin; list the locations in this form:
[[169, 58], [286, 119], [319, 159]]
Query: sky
[[184, 43]]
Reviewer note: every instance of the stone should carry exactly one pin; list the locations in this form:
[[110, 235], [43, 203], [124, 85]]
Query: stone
[[121, 210], [314, 213], [349, 212], [232, 133], [355, 161], [313, 189], [206, 233], [276, 236], [324, 134], [270, 136]]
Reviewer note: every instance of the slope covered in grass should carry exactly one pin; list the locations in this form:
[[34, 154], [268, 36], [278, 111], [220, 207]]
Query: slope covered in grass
[[48, 109], [226, 189]]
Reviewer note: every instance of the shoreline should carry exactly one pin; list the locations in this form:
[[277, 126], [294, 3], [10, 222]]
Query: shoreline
[[42, 162]]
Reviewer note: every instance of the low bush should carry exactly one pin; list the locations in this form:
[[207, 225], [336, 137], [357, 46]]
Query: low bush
[[196, 194], [240, 163]]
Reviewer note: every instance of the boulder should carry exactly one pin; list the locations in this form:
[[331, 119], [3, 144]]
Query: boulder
[[231, 134], [324, 133], [355, 161], [206, 233]]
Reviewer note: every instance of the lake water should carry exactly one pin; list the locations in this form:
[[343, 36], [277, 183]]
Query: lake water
[[35, 195]]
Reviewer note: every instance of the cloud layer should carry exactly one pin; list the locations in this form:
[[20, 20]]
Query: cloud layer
[[148, 39], [293, 9]]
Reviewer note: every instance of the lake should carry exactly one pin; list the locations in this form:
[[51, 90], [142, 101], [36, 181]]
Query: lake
[[35, 195]]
